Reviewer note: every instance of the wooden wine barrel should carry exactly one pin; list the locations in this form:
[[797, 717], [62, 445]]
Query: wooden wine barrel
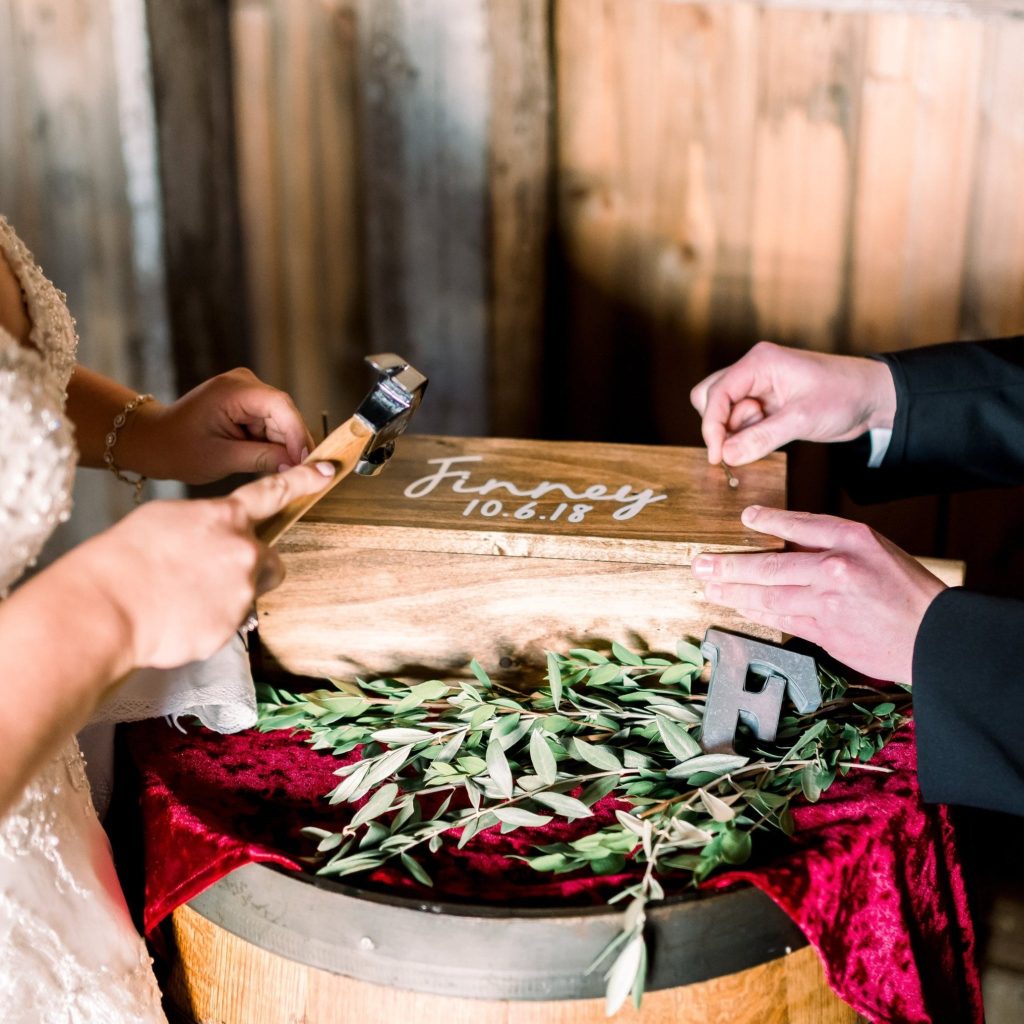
[[264, 946]]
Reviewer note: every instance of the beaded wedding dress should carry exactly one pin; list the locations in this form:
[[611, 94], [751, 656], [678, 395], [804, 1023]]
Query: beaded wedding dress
[[69, 953]]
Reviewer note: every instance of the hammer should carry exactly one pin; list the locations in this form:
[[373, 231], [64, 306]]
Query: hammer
[[363, 443]]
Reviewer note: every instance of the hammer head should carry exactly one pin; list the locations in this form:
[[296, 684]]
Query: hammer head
[[387, 409]]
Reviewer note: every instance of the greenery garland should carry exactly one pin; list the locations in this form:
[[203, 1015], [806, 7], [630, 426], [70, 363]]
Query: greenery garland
[[620, 724]]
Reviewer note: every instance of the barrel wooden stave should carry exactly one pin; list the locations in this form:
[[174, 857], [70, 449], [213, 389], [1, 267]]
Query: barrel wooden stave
[[218, 978]]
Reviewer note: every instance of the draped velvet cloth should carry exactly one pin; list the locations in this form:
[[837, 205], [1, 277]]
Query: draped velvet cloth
[[871, 876]]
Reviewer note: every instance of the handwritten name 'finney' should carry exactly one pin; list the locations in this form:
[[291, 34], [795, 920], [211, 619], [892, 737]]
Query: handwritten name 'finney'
[[632, 502]]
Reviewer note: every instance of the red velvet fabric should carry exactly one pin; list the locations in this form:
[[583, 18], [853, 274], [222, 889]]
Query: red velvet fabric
[[871, 877]]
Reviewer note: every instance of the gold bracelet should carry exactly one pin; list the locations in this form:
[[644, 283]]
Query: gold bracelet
[[111, 439]]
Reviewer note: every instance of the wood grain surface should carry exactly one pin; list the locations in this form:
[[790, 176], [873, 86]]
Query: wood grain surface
[[219, 977]]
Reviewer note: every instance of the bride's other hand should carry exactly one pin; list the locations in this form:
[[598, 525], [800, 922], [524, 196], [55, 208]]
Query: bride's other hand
[[232, 423]]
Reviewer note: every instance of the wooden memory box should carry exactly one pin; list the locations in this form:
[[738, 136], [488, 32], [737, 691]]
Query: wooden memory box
[[501, 549]]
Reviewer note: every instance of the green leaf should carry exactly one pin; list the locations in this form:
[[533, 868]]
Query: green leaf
[[685, 833], [567, 806], [376, 805], [348, 707], [630, 822], [610, 864], [605, 674], [401, 735], [736, 846], [480, 824], [416, 870], [451, 748], [675, 713], [354, 864], [555, 723], [550, 862], [679, 742], [420, 694], [640, 982], [626, 656], [599, 757], [881, 710], [477, 669], [498, 768], [717, 764], [814, 781], [598, 790], [716, 807], [543, 760], [520, 816], [316, 833], [676, 674], [384, 767], [481, 714], [689, 653], [471, 764], [344, 790], [593, 657], [622, 975], [554, 680], [806, 737]]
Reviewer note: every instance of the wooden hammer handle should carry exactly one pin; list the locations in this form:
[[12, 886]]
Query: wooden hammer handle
[[344, 447]]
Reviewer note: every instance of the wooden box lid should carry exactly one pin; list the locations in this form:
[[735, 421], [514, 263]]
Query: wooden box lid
[[553, 499]]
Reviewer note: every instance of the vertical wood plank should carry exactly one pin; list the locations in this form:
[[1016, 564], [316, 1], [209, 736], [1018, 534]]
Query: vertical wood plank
[[917, 147], [341, 259], [994, 282], [885, 184], [191, 55], [804, 164], [947, 73], [78, 182], [253, 44], [639, 184], [732, 114], [424, 72], [298, 156], [520, 210]]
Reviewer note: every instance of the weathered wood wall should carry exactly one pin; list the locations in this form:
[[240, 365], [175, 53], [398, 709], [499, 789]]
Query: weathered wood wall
[[570, 210], [395, 178], [78, 182], [826, 177]]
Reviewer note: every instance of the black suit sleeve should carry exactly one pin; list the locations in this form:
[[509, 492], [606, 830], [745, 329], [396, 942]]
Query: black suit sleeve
[[960, 424], [959, 419], [969, 701]]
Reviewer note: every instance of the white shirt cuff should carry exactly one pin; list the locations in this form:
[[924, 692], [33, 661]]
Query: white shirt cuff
[[880, 438]]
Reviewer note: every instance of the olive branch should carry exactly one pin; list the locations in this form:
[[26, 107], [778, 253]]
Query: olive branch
[[439, 757]]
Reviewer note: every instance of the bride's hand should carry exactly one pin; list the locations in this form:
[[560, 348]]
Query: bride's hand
[[232, 423], [182, 575]]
